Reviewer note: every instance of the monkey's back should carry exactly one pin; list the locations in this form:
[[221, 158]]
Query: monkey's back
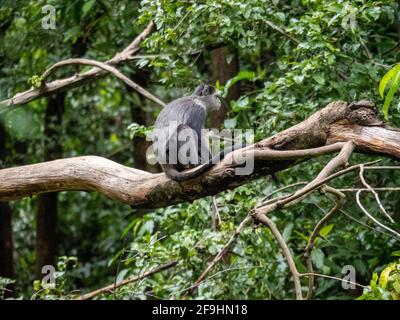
[[185, 110]]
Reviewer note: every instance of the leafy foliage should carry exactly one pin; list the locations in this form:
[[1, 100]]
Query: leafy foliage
[[295, 57], [393, 75], [386, 286]]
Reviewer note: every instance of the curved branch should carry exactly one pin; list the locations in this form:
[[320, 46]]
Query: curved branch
[[310, 246], [106, 67], [79, 79], [149, 191], [286, 252], [110, 288], [371, 217], [378, 201]]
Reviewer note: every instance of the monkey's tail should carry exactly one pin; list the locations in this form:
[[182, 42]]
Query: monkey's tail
[[176, 175]]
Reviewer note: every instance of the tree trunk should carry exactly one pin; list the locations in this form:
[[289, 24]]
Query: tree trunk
[[46, 228], [6, 242], [141, 117], [222, 71]]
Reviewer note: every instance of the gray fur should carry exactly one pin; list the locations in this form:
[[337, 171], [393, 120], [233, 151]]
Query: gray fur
[[189, 113]]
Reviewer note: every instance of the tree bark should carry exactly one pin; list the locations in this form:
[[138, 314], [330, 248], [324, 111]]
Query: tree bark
[[222, 71], [148, 191]]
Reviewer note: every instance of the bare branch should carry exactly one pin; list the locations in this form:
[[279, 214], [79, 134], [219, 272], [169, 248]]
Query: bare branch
[[286, 252], [366, 189], [215, 217], [334, 278], [107, 68], [110, 288], [77, 80], [220, 255], [364, 182], [371, 217], [340, 160], [270, 154], [300, 183], [280, 30], [307, 251]]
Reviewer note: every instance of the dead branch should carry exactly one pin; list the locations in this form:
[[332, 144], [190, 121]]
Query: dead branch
[[333, 278], [378, 201], [286, 252], [340, 160], [67, 83], [383, 189], [104, 66], [310, 246], [365, 211], [110, 288], [215, 216], [326, 127], [219, 256]]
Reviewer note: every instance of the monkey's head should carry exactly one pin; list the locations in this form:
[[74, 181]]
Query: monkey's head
[[209, 96]]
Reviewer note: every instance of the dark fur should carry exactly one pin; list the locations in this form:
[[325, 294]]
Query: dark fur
[[189, 114]]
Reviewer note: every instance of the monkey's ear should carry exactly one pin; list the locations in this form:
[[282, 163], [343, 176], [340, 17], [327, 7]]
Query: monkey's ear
[[199, 90]]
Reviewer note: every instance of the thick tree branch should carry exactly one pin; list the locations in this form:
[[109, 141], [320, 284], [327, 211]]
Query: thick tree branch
[[327, 130]]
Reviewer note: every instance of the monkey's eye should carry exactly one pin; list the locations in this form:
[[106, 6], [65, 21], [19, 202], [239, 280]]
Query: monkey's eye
[[207, 90]]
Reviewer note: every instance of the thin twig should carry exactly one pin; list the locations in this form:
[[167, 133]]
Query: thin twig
[[286, 252], [220, 255], [215, 216], [366, 50], [371, 217], [365, 189], [310, 246], [284, 188], [331, 277], [381, 207], [280, 30], [365, 225], [112, 287]]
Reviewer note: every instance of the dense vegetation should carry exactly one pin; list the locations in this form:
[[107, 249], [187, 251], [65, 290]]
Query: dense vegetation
[[292, 58]]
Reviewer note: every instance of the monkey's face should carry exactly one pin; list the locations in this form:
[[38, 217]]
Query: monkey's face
[[209, 96]]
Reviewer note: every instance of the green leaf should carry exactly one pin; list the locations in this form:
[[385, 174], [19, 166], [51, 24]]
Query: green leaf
[[383, 279], [318, 258], [393, 87], [386, 78], [288, 231], [242, 75], [87, 6], [396, 253], [326, 230]]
